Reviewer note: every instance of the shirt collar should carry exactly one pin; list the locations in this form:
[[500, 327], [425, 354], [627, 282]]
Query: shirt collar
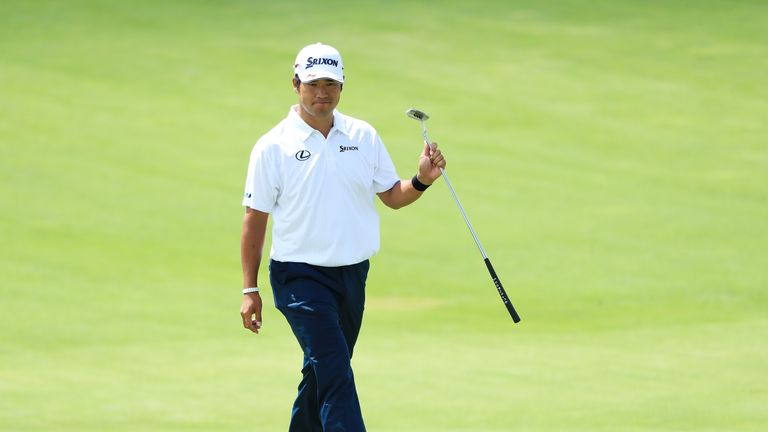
[[306, 130]]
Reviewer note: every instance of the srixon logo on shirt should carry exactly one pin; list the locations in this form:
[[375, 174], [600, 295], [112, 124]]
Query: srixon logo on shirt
[[321, 61], [342, 149]]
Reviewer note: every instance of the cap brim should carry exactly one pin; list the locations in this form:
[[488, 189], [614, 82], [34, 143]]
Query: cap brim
[[314, 76]]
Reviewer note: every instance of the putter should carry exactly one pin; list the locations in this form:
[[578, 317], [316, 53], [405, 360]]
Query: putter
[[423, 117]]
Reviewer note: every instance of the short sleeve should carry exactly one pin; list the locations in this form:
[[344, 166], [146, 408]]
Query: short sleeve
[[261, 183], [385, 176]]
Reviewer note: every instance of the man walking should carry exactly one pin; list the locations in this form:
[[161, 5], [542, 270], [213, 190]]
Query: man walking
[[317, 173]]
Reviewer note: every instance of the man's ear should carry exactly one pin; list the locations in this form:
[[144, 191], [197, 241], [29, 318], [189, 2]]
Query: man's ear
[[296, 84]]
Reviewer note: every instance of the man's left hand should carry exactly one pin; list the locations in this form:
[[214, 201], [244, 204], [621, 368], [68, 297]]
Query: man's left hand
[[430, 162]]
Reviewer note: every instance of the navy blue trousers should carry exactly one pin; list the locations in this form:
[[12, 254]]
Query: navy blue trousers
[[324, 307]]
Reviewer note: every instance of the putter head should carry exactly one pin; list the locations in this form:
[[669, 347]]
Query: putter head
[[417, 115]]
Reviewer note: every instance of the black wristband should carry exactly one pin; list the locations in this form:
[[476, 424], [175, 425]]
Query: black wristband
[[419, 186]]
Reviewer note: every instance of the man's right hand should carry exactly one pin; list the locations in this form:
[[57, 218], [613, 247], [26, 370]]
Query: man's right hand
[[250, 312]]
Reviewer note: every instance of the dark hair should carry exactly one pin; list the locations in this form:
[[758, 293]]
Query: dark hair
[[297, 82]]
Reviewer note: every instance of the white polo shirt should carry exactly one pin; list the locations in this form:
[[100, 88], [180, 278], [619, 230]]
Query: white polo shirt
[[321, 192]]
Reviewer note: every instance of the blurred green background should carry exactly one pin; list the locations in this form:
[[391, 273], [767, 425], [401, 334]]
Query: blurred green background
[[612, 157]]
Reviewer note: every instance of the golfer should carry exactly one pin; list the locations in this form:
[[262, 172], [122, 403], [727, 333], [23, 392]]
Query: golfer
[[317, 173]]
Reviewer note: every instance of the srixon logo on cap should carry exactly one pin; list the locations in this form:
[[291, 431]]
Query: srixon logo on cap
[[321, 61]]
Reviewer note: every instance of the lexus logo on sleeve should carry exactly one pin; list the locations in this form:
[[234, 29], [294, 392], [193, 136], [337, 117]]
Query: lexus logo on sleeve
[[303, 155]]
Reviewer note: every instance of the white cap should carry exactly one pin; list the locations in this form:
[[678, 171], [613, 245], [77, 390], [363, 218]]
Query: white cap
[[318, 61]]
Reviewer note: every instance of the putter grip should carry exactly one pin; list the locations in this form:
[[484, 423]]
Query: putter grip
[[502, 293]]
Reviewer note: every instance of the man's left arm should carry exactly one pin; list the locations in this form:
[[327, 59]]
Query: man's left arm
[[407, 191]]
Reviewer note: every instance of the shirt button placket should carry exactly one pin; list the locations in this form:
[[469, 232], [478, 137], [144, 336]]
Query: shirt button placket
[[331, 154]]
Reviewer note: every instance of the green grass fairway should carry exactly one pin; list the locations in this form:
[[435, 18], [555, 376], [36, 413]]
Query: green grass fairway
[[611, 155]]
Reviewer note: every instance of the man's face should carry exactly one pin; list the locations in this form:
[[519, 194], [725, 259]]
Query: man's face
[[319, 98]]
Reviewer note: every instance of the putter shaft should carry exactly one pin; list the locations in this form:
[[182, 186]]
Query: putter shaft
[[455, 197]]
